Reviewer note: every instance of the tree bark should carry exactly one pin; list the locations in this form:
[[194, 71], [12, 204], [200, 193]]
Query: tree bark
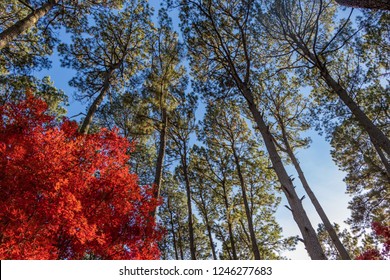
[[377, 136], [161, 152], [310, 239], [368, 4], [328, 226], [255, 248], [24, 24], [96, 103]]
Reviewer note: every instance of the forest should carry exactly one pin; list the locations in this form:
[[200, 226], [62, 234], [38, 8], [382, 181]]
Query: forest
[[192, 116]]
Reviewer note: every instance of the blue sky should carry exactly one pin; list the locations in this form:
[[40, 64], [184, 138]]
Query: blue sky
[[322, 173]]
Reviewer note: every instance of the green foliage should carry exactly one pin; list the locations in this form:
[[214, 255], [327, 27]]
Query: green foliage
[[112, 50], [225, 135], [350, 242], [14, 88]]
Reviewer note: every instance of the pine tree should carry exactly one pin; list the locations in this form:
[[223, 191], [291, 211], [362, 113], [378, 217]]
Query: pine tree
[[306, 29], [165, 79], [222, 48], [182, 125], [109, 55]]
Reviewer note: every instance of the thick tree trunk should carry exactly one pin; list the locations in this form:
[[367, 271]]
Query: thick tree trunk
[[377, 136], [328, 226], [10, 34], [310, 239], [96, 103], [189, 203], [255, 248], [368, 4]]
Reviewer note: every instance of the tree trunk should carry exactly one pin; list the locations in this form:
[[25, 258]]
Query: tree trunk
[[189, 203], [255, 248], [172, 228], [180, 241], [328, 226], [160, 157], [230, 229], [161, 152], [209, 232], [23, 25], [368, 4], [310, 239], [377, 136], [383, 159], [96, 103]]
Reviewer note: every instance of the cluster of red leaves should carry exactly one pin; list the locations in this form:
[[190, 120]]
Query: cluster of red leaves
[[69, 196], [383, 233]]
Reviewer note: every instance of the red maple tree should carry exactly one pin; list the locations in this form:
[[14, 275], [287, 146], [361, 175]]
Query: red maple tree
[[69, 196]]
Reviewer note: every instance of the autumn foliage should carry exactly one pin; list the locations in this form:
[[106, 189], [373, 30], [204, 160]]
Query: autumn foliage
[[69, 196], [383, 233]]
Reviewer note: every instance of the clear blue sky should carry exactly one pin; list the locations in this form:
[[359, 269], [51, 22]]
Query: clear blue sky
[[322, 173]]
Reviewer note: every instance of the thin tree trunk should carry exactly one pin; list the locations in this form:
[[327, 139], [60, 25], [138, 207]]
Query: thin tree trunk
[[180, 241], [230, 229], [383, 158], [369, 4], [255, 248], [189, 203], [328, 225], [12, 32], [172, 228], [161, 152], [96, 103], [209, 232], [160, 157], [310, 239]]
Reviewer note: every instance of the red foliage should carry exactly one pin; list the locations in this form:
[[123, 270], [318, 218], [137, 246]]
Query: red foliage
[[383, 233], [69, 196]]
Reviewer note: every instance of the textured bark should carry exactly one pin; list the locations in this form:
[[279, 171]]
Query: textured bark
[[310, 239], [96, 103], [12, 32], [368, 4], [328, 225], [255, 248]]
